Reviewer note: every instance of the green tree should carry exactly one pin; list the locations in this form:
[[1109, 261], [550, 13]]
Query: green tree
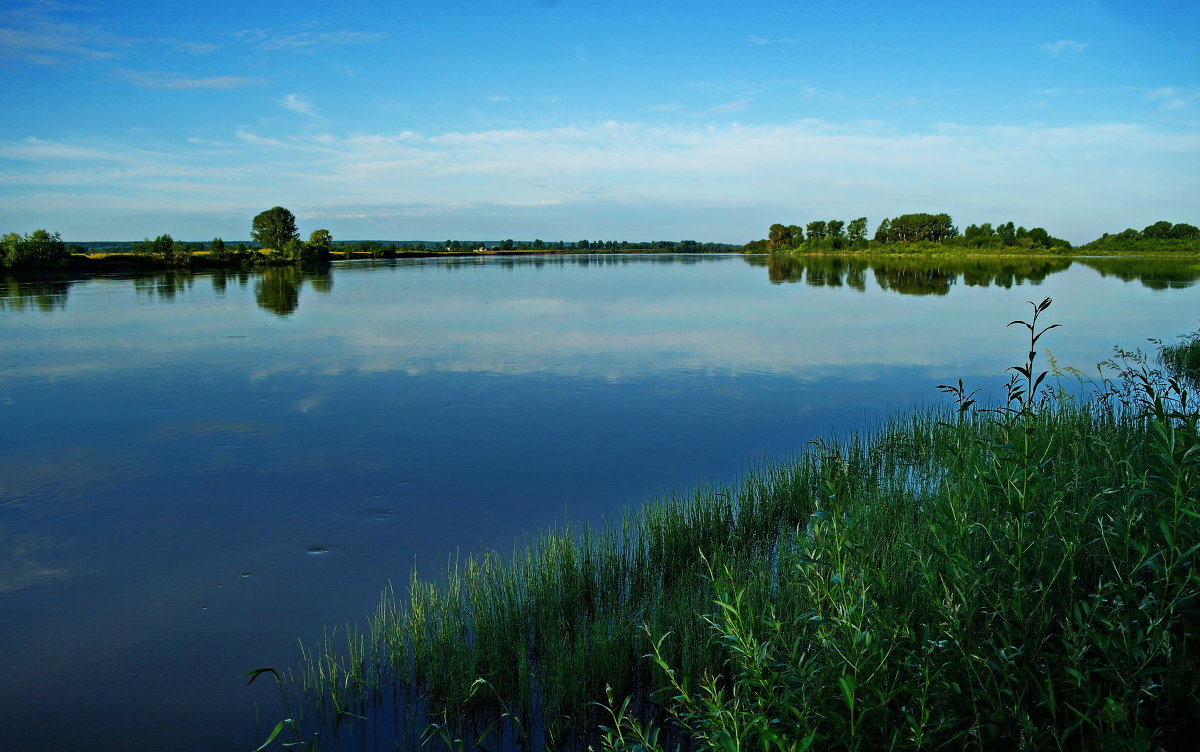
[[857, 230], [273, 228], [912, 228], [1007, 233], [320, 243], [816, 230], [165, 249], [1158, 231], [294, 251], [780, 237], [39, 249]]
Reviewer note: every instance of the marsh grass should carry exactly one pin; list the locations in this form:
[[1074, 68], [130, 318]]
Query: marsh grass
[[1017, 577]]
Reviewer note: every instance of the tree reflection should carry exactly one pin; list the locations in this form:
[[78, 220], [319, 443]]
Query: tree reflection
[[165, 286], [22, 295], [1157, 274], [907, 276], [277, 288]]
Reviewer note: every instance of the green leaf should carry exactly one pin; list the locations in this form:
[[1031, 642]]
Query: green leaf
[[278, 727]]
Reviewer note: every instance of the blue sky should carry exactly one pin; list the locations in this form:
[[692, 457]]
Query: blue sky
[[602, 120]]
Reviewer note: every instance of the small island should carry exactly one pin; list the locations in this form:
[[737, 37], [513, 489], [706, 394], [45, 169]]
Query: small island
[[935, 234]]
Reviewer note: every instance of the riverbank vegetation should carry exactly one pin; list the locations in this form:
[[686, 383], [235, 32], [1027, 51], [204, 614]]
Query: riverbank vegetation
[[933, 234], [905, 234], [1160, 237], [1019, 576], [39, 249], [276, 241]]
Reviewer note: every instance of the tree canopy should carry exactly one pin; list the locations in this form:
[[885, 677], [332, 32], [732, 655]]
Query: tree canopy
[[274, 228], [39, 249], [913, 232]]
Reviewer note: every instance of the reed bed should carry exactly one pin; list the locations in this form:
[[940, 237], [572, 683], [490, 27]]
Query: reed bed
[[1022, 577]]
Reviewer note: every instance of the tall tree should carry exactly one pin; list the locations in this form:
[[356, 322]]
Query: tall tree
[[857, 229], [274, 228]]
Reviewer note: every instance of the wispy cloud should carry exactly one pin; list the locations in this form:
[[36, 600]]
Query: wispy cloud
[[37, 33], [305, 41], [763, 41], [194, 48], [1173, 97], [295, 103], [735, 106], [1063, 46], [159, 80]]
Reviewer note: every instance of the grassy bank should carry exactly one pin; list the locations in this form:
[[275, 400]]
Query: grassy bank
[[1022, 577]]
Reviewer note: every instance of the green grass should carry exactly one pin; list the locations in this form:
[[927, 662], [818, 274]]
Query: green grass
[[1020, 577]]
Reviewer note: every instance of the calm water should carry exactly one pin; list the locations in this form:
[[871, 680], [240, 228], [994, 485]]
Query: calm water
[[195, 471]]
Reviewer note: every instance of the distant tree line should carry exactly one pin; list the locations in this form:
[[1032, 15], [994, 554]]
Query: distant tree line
[[907, 232], [276, 241]]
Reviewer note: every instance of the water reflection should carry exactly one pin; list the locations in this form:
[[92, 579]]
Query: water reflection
[[1157, 274], [21, 295], [923, 276], [277, 288], [222, 277], [165, 285]]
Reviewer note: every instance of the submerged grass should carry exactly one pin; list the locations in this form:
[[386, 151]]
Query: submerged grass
[[1022, 577], [1182, 358]]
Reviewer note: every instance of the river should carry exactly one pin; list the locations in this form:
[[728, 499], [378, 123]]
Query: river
[[197, 470]]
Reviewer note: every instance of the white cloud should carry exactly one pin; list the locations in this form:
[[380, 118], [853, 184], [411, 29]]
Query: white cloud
[[1173, 98], [305, 41], [1062, 46], [734, 106], [761, 41], [35, 33], [712, 181], [295, 103], [157, 80], [196, 48]]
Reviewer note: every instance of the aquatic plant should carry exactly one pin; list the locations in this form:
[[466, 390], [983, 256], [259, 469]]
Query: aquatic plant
[[1182, 358]]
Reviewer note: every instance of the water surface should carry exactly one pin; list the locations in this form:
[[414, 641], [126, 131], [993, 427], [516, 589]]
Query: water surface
[[196, 470]]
